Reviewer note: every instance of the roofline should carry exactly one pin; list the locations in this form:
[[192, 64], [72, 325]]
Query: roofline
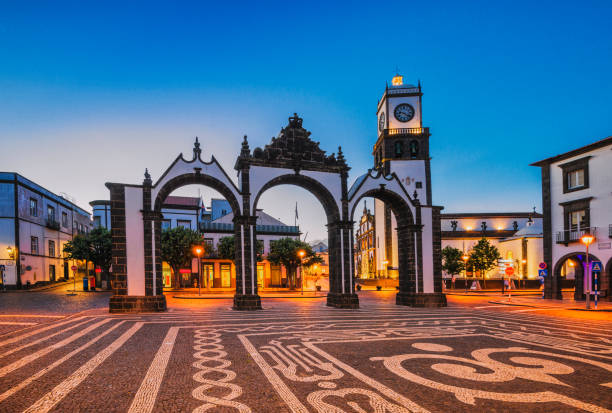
[[492, 215], [99, 202], [579, 151], [40, 186]]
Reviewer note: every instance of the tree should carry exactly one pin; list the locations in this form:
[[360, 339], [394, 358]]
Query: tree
[[78, 249], [227, 247], [176, 245], [483, 257], [284, 251], [451, 260], [101, 248]]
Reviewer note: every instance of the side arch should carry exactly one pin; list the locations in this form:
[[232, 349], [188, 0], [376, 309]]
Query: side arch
[[199, 179], [408, 256], [606, 281]]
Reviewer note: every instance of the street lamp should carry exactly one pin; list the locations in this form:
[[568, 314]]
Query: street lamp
[[198, 250], [11, 252], [465, 258], [301, 253], [587, 239]]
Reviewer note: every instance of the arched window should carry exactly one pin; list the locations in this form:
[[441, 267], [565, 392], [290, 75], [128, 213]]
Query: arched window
[[414, 149], [399, 149]]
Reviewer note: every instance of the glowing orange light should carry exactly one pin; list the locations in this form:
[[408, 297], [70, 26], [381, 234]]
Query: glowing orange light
[[499, 228], [301, 253], [469, 228], [464, 257], [397, 80], [571, 263], [587, 239], [198, 251]]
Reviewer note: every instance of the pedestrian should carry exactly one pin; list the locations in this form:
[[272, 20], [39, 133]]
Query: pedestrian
[[453, 281]]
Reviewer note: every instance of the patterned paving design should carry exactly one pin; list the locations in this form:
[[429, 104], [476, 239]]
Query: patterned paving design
[[380, 358]]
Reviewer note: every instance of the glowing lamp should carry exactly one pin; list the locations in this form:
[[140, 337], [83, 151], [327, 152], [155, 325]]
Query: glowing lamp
[[465, 257], [301, 253], [587, 239], [571, 263], [397, 80], [198, 250], [468, 228], [10, 251]]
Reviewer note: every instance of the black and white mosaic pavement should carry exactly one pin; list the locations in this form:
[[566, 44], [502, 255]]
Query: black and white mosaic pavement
[[304, 357]]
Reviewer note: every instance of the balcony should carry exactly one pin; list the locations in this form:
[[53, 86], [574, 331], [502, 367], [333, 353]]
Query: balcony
[[574, 235], [52, 224], [406, 131]]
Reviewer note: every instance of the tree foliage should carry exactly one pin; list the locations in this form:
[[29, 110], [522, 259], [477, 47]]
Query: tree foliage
[[226, 248], [284, 251], [96, 247], [483, 256], [451, 260], [176, 249]]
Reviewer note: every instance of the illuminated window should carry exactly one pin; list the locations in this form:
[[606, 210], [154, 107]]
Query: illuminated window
[[397, 80]]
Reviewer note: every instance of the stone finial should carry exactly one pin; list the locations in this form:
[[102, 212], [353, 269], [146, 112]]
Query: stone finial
[[196, 149], [245, 151], [295, 121], [147, 180], [340, 157]]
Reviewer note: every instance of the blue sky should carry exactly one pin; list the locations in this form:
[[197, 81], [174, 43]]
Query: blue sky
[[95, 93]]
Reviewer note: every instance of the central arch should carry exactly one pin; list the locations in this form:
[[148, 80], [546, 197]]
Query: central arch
[[333, 216]]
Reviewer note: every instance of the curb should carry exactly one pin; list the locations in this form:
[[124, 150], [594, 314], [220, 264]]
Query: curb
[[213, 297]]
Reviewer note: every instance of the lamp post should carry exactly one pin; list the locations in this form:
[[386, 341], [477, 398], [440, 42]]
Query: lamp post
[[301, 253], [465, 258], [198, 251], [587, 239]]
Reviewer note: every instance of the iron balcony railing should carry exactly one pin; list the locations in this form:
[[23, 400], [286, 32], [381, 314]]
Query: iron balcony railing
[[574, 235], [52, 224], [406, 131]]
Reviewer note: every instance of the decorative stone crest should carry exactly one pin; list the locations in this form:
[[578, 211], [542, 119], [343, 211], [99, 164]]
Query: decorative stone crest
[[294, 149]]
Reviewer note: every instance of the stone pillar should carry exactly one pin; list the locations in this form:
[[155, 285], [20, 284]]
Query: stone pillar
[[246, 297], [341, 281], [411, 269]]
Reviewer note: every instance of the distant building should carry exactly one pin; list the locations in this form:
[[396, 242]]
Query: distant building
[[516, 235], [576, 201], [365, 246], [35, 224]]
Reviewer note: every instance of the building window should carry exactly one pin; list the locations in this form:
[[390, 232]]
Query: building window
[[208, 246], [575, 179], [51, 213], [183, 223], [34, 245], [575, 175], [577, 220], [97, 221], [165, 224], [33, 207], [64, 220], [51, 248], [399, 149]]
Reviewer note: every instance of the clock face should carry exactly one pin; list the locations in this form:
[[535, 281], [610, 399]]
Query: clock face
[[381, 122], [404, 112]]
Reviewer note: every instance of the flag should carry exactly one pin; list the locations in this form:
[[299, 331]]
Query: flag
[[296, 212]]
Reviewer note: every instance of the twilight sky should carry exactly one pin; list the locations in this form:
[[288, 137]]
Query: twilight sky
[[96, 93]]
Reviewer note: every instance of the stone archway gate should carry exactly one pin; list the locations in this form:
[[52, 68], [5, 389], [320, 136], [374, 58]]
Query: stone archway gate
[[291, 158]]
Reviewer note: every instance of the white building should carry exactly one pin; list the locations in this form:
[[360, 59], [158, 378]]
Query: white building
[[577, 200], [516, 235], [35, 225]]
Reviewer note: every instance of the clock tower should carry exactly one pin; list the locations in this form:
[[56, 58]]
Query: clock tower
[[403, 143]]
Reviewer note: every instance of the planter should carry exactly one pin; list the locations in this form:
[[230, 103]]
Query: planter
[[358, 286], [318, 288], [378, 287]]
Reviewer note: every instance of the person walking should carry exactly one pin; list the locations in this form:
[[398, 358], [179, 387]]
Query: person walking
[[453, 281]]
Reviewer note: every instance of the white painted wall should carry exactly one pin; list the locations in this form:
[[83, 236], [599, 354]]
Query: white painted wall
[[134, 237]]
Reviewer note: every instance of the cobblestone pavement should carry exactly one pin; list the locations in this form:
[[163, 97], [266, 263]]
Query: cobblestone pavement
[[300, 356]]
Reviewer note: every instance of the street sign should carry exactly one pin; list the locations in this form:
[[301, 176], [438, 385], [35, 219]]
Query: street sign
[[542, 273], [74, 268], [542, 265], [509, 270], [596, 266]]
